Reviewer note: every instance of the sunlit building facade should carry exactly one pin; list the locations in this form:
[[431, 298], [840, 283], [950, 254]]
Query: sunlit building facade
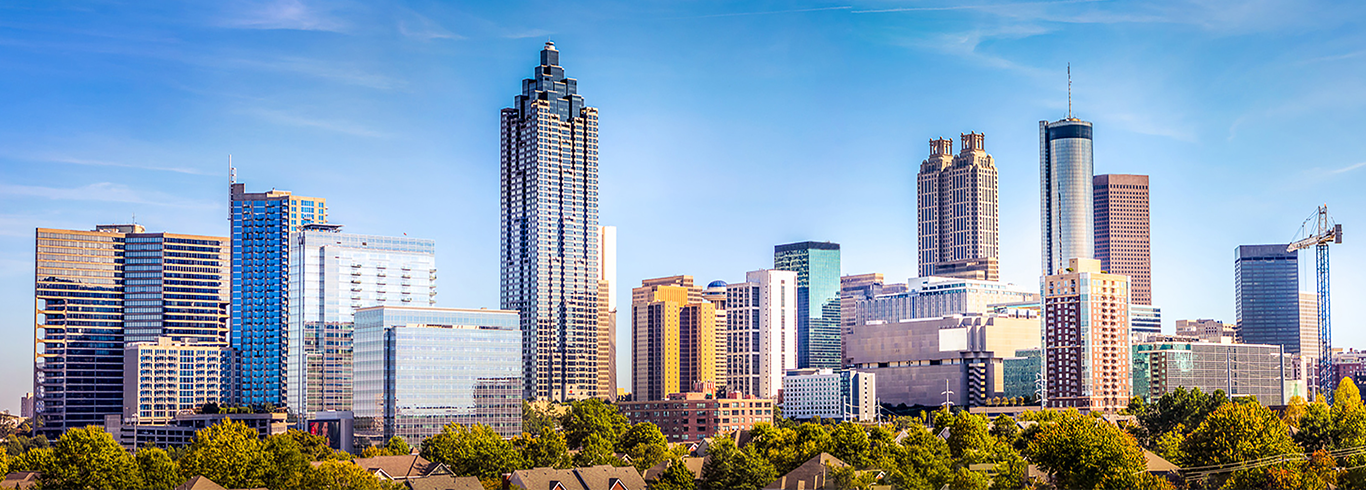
[[817, 265], [1086, 339], [761, 332], [957, 211], [1067, 212], [163, 378], [1240, 370]]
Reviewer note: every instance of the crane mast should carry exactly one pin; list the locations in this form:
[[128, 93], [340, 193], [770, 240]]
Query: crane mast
[[1323, 233]]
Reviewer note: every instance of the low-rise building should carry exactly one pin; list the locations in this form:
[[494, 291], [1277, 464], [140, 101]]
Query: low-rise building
[[1208, 330], [695, 416], [180, 429], [916, 361], [932, 297], [830, 394], [1255, 370]]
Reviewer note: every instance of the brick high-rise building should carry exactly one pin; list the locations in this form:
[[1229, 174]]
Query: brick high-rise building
[[1122, 237], [1086, 341], [549, 257], [957, 211]]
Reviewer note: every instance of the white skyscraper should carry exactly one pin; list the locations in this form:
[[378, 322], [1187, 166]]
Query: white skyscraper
[[333, 274], [761, 331]]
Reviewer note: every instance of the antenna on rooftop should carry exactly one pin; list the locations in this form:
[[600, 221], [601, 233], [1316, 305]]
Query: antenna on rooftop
[[232, 171], [1069, 91]]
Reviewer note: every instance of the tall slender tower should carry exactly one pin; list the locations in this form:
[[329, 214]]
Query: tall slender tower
[[817, 265], [1087, 358], [1122, 244], [549, 262], [1067, 212], [957, 211]]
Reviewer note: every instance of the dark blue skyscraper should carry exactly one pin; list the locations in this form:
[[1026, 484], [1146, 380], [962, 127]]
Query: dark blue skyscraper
[[261, 224], [1267, 291], [817, 265]]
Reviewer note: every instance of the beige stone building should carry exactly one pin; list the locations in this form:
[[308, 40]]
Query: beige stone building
[[957, 211], [917, 360], [673, 336], [1087, 361]]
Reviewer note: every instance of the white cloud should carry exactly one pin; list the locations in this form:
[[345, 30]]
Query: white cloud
[[284, 14], [58, 158], [292, 119], [419, 27], [102, 191], [1348, 168]]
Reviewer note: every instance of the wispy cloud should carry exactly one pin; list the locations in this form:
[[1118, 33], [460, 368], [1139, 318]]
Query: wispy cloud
[[527, 33], [104, 163], [1348, 168], [292, 119], [339, 72], [770, 12], [102, 191], [420, 27], [284, 14]]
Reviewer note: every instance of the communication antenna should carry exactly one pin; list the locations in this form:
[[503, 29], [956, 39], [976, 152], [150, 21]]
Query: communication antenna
[[1069, 91], [232, 171]]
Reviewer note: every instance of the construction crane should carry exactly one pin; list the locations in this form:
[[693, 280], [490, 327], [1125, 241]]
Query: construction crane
[[1323, 232]]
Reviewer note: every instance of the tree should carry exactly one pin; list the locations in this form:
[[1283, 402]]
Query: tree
[[159, 472], [534, 420], [285, 461], [343, 475], [1180, 407], [847, 478], [849, 443], [1237, 432], [1168, 445], [1004, 429], [645, 444], [1315, 427], [1081, 451], [4, 463], [89, 458], [472, 451], [596, 450], [37, 459], [1294, 411], [731, 468], [968, 440], [228, 453], [593, 416], [676, 477], [922, 462], [548, 450]]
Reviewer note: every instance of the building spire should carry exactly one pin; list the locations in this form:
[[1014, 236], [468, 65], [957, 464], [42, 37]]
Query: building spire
[[1069, 91]]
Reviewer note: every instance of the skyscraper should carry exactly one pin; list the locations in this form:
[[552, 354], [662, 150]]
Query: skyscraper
[[1067, 211], [607, 312], [98, 290], [261, 224], [817, 265], [1087, 359], [1121, 223], [673, 337], [761, 342], [1268, 303], [958, 212], [333, 274], [549, 258]]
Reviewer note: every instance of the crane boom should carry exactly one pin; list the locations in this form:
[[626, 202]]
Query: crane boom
[[1323, 233]]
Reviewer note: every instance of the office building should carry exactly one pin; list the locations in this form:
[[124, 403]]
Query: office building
[[1269, 306], [607, 312], [331, 275], [673, 334], [715, 293], [1122, 239], [163, 378], [929, 297], [1207, 330], [26, 405], [1067, 212], [817, 265], [696, 416], [761, 335], [835, 395], [1350, 363], [860, 287], [180, 429], [1023, 374], [261, 225], [420, 368], [957, 211], [1144, 321], [1251, 370], [917, 360], [97, 290], [550, 250], [1086, 338]]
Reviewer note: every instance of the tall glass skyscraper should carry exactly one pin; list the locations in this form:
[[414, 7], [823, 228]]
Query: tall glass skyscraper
[[817, 265], [1067, 211], [261, 224], [98, 290], [333, 274], [1266, 281], [550, 253]]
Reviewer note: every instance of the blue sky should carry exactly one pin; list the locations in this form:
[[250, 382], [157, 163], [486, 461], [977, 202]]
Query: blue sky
[[727, 127]]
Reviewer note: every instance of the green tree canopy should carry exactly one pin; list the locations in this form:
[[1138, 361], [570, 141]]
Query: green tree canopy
[[849, 442], [342, 475], [1180, 407], [969, 441], [284, 459], [676, 477], [547, 450], [1081, 451], [596, 450], [396, 446], [1237, 432], [229, 453], [731, 468], [923, 461], [36, 459], [89, 458], [1004, 429], [593, 416], [472, 451], [159, 472]]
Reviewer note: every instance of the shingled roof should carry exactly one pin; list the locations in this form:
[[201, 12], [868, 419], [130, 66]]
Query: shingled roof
[[444, 482], [591, 478], [402, 467], [811, 474]]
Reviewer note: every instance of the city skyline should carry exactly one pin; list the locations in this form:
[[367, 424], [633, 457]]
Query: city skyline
[[52, 181]]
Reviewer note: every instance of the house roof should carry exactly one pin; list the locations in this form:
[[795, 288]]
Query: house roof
[[810, 474], [444, 482], [591, 478], [198, 483], [1156, 464], [20, 479], [402, 467], [694, 465]]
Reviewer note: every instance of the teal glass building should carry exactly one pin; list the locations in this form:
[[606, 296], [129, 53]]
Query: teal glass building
[[420, 368], [817, 265]]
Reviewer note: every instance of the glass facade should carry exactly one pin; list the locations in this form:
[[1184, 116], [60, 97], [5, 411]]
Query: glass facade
[[550, 253], [1065, 169], [1022, 373], [332, 274], [162, 378], [418, 369], [261, 224], [1267, 298], [96, 290], [1144, 321], [817, 265], [1238, 369]]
